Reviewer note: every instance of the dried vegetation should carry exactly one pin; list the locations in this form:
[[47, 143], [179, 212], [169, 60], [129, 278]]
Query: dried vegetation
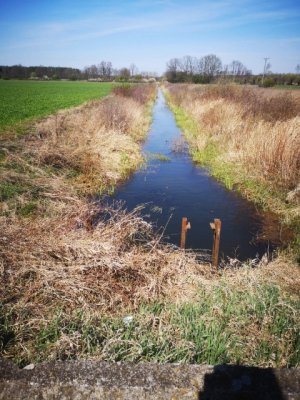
[[112, 291], [259, 128], [249, 136]]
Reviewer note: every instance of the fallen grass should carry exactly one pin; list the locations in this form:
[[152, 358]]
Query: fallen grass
[[117, 294], [249, 139], [111, 291]]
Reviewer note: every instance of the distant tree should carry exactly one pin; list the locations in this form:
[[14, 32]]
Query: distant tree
[[124, 74], [210, 65], [173, 67], [237, 68], [93, 71], [187, 65], [298, 68], [109, 69], [105, 69], [133, 69]]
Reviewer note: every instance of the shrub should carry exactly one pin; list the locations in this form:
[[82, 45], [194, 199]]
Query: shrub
[[268, 82]]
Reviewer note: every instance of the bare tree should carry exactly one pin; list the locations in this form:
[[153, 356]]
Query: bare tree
[[105, 69], [133, 69], [91, 72], [210, 65], [237, 68], [124, 73], [109, 69], [173, 67], [188, 65]]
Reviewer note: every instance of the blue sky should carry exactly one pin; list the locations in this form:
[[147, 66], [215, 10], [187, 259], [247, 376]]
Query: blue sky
[[149, 32]]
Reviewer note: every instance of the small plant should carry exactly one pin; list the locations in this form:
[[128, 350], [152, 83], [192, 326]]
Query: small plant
[[159, 156], [156, 209], [27, 209], [9, 190]]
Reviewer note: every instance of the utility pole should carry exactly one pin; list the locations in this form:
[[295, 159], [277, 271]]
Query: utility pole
[[265, 66]]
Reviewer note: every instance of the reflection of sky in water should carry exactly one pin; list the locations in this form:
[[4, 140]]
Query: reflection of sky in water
[[176, 188]]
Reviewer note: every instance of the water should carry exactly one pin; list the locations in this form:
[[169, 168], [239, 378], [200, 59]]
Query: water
[[178, 188]]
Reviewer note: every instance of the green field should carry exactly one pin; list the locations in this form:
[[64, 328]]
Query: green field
[[287, 87], [26, 100]]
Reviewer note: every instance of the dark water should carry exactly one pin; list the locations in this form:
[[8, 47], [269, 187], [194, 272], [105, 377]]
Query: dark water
[[177, 188]]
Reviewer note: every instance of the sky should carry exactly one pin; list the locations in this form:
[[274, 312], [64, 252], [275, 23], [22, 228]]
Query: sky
[[77, 33]]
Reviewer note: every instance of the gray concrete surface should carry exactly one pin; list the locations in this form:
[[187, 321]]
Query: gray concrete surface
[[92, 380]]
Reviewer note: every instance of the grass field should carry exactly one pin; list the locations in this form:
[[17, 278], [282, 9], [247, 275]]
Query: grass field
[[25, 100], [287, 87]]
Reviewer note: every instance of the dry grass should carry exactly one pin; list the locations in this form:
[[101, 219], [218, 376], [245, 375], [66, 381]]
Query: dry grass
[[43, 177], [66, 289], [249, 138], [257, 128], [66, 264], [99, 141]]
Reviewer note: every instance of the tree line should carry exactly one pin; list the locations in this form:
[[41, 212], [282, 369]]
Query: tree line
[[209, 68], [103, 71], [186, 69], [202, 70], [38, 72]]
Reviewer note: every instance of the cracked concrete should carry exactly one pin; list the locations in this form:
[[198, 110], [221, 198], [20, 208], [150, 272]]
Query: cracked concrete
[[93, 380]]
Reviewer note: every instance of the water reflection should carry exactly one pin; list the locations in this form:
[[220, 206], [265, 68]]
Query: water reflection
[[173, 188]]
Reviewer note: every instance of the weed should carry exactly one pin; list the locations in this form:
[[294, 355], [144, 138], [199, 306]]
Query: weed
[[159, 156], [8, 190], [156, 209], [224, 323], [27, 209]]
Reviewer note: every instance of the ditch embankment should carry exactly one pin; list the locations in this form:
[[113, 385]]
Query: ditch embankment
[[249, 139]]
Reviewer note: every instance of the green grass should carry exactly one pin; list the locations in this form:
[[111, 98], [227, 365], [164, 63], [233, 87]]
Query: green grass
[[224, 324], [9, 190], [287, 87], [26, 100]]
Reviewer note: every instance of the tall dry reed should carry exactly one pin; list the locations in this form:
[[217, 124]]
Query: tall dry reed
[[256, 128]]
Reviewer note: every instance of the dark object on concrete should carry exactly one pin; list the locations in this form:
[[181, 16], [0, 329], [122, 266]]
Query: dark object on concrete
[[92, 380]]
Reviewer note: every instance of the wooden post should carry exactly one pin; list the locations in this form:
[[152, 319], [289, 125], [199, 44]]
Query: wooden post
[[185, 225], [216, 227]]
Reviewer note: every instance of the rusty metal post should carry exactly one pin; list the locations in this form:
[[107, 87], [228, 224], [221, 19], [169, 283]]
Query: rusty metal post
[[185, 225], [216, 227]]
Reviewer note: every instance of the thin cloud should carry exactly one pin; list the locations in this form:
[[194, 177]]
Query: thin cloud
[[108, 28]]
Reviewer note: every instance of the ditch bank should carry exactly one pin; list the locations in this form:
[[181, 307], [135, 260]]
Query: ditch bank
[[248, 139], [83, 380]]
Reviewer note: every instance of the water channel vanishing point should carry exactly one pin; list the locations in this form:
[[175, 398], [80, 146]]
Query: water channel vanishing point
[[171, 186]]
